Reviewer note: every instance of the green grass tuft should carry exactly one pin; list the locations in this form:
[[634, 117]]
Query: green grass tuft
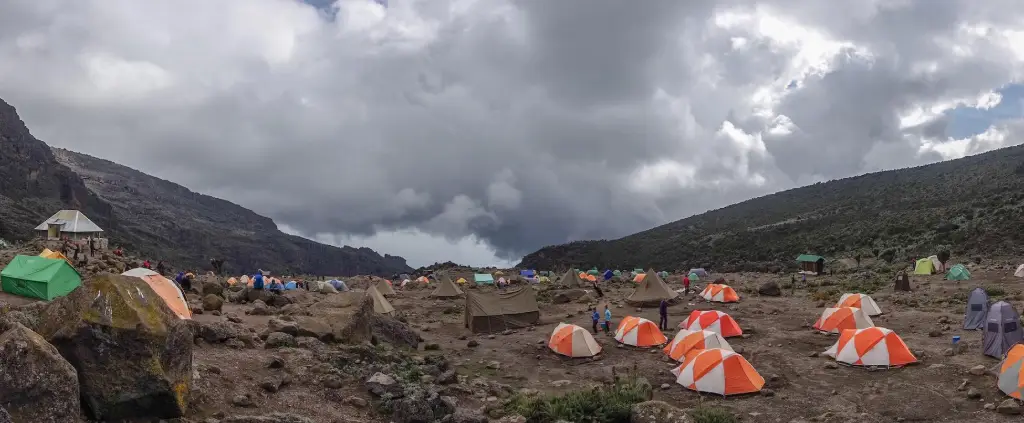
[[609, 404]]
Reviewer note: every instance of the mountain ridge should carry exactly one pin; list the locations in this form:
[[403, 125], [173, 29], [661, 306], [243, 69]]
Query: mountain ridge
[[153, 217], [966, 205]]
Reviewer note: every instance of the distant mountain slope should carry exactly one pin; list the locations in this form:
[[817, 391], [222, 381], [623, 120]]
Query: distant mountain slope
[[972, 205], [189, 227], [153, 217], [33, 185]]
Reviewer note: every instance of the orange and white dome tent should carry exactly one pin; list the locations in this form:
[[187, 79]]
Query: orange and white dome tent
[[718, 371], [639, 332], [837, 319], [573, 341], [232, 281], [690, 340], [166, 289], [720, 293], [1011, 379], [712, 320], [871, 347], [245, 280], [861, 301]]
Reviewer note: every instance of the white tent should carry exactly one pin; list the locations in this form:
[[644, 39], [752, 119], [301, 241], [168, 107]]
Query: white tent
[[1020, 271]]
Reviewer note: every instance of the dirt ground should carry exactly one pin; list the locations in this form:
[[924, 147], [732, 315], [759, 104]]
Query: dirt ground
[[779, 343], [779, 346]]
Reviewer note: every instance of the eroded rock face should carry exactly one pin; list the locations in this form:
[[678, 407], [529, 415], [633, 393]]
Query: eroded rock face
[[36, 383], [133, 355]]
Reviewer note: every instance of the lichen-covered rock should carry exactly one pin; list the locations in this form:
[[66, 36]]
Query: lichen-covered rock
[[213, 287], [132, 353], [36, 383], [657, 412]]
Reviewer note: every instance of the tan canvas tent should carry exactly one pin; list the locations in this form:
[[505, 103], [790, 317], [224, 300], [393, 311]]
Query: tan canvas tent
[[380, 304], [384, 288], [570, 280], [486, 313], [446, 289], [650, 291]]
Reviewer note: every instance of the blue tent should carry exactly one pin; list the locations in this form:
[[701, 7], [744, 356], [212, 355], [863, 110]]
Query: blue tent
[[290, 286], [339, 285], [527, 273], [608, 274]]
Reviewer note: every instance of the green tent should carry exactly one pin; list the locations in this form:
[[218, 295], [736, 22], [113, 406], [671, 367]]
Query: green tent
[[693, 277], [483, 279], [663, 274], [39, 277], [958, 273], [617, 273], [593, 271]]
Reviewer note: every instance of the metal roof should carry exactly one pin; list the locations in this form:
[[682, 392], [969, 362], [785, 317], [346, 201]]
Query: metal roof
[[72, 221]]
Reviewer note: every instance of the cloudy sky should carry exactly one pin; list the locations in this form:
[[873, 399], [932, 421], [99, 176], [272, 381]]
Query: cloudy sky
[[480, 130]]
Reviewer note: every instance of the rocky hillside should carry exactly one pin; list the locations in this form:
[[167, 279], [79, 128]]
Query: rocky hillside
[[33, 184], [155, 218], [972, 206]]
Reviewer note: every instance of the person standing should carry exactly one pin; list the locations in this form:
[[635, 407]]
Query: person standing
[[595, 317], [686, 284], [607, 319], [92, 247], [663, 315]]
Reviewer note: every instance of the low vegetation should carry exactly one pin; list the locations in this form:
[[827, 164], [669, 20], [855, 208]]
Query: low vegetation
[[610, 404], [704, 414]]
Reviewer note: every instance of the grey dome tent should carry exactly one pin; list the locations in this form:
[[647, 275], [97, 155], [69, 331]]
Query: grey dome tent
[[977, 310], [1002, 329]]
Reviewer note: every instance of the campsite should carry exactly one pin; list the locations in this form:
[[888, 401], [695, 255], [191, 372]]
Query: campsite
[[496, 337]]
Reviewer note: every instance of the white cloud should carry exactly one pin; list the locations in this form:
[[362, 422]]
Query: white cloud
[[446, 129]]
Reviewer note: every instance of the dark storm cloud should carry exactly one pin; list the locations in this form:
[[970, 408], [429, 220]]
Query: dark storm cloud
[[521, 123]]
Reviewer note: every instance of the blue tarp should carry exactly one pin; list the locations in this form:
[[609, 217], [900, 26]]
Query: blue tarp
[[290, 285], [608, 274], [527, 273]]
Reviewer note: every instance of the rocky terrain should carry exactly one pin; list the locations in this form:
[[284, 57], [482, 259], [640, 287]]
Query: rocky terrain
[[257, 357], [970, 206], [155, 218]]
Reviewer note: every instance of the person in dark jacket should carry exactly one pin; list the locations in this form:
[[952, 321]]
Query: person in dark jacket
[[663, 315], [160, 268], [596, 317], [92, 247]]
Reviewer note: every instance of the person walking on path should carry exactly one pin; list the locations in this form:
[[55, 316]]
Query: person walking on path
[[596, 317], [663, 314], [686, 284]]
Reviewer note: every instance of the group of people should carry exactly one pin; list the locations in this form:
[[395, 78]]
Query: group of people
[[605, 324]]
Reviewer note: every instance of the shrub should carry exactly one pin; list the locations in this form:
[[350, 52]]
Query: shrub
[[995, 292], [607, 404]]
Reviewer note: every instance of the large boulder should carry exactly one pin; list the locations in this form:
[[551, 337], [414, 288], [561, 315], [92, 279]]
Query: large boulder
[[769, 289], [212, 302], [132, 353], [213, 288], [657, 412], [36, 383]]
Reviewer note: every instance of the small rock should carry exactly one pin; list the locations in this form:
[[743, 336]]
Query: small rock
[[233, 318], [431, 347], [380, 384], [333, 382], [279, 339], [275, 362], [494, 365], [973, 394], [561, 383], [990, 406], [271, 384], [767, 392], [978, 370], [831, 365], [242, 400], [472, 343], [963, 385], [1009, 406], [948, 352], [812, 354], [355, 402], [935, 333]]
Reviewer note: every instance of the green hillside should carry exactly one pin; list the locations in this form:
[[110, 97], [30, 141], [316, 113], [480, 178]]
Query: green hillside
[[970, 205]]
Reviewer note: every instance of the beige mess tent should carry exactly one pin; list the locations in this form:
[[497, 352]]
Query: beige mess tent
[[446, 289], [650, 291], [381, 305], [570, 280], [383, 287], [496, 312]]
